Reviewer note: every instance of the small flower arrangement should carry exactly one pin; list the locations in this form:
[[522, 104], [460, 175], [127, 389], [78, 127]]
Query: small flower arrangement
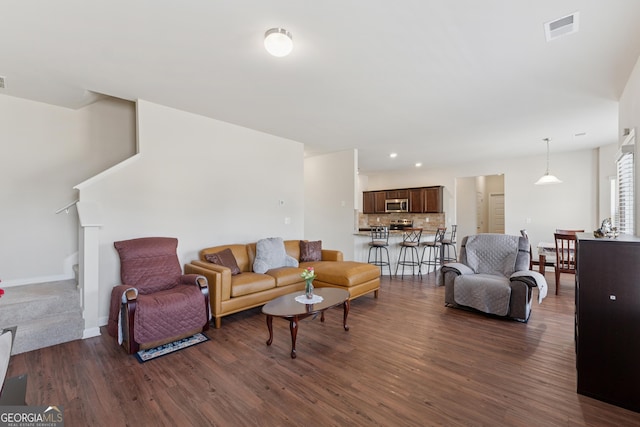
[[1, 290], [308, 274]]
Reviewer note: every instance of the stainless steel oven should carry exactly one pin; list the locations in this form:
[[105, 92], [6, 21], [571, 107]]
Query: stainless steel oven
[[396, 205]]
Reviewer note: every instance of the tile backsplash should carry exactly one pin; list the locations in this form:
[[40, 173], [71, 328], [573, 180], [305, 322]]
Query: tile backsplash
[[419, 220]]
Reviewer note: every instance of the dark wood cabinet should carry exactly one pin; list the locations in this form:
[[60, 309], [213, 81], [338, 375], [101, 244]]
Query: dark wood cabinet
[[416, 200], [373, 202], [397, 194], [433, 199], [421, 200], [368, 202], [607, 327]]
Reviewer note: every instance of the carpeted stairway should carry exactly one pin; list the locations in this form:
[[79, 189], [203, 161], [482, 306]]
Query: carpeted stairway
[[45, 313]]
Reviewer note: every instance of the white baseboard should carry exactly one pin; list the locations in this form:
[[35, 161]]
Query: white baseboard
[[90, 333], [36, 280]]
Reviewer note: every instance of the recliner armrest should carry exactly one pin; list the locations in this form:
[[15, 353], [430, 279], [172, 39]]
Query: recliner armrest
[[130, 294], [194, 279], [532, 279], [457, 268]]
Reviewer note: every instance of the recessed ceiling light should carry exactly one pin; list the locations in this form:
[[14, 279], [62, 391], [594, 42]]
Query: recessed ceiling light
[[418, 165], [393, 155], [278, 42]]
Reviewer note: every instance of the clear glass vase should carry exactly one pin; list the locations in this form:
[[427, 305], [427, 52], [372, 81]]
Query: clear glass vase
[[308, 288]]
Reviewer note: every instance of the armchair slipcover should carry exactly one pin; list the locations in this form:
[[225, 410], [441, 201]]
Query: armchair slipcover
[[493, 276], [156, 304]]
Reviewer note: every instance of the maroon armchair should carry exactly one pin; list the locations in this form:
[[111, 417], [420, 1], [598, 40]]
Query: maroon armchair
[[156, 303]]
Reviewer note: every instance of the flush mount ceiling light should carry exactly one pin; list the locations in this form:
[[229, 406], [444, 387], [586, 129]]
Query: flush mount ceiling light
[[278, 42], [393, 155], [547, 178]]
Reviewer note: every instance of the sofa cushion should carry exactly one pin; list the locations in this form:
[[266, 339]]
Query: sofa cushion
[[249, 283], [224, 258], [345, 273], [310, 251], [270, 253], [286, 275]]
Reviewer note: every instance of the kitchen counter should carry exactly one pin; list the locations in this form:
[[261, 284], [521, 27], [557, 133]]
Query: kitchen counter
[[365, 232], [361, 247]]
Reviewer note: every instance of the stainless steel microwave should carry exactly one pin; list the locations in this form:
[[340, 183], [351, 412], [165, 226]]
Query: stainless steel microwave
[[396, 205]]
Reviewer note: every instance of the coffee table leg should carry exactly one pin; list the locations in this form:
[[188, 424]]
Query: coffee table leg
[[270, 327], [346, 306], [293, 325]]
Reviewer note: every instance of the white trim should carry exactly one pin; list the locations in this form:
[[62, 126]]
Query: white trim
[[90, 333], [36, 280]]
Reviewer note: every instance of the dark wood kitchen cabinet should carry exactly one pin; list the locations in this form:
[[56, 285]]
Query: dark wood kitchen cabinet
[[433, 199], [416, 200], [421, 200], [397, 194], [373, 202], [607, 319]]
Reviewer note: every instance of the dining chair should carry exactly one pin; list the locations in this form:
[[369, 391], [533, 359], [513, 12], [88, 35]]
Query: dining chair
[[565, 253], [561, 231]]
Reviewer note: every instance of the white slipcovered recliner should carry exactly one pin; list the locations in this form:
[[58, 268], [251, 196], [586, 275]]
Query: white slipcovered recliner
[[493, 276]]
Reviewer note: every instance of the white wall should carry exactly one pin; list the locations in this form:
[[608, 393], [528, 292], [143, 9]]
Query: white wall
[[630, 119], [331, 191], [568, 205], [46, 150], [467, 208], [203, 181], [606, 172]]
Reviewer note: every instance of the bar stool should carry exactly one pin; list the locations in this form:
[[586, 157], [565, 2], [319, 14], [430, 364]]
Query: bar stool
[[378, 244], [448, 244], [434, 257], [408, 256]]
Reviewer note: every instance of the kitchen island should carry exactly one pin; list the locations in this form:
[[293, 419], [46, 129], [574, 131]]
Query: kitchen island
[[361, 241]]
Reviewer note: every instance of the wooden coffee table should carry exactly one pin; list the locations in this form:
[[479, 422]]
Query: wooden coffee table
[[288, 308]]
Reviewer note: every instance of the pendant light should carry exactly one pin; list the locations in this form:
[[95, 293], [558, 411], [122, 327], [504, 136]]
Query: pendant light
[[547, 178]]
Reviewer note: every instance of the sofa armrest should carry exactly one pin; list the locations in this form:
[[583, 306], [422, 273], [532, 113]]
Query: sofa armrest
[[332, 255], [532, 279]]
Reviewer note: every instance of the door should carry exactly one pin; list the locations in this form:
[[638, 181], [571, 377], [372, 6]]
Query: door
[[496, 213]]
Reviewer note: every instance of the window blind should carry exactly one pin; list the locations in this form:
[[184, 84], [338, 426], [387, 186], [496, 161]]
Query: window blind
[[625, 193]]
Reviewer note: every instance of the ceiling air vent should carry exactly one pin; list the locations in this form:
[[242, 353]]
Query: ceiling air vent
[[2, 85], [562, 26]]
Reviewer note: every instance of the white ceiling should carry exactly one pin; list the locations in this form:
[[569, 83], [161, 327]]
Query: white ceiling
[[437, 81]]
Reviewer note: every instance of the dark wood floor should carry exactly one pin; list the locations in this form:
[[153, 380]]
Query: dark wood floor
[[406, 361]]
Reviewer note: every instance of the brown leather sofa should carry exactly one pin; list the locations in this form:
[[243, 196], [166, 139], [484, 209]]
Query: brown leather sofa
[[233, 293]]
